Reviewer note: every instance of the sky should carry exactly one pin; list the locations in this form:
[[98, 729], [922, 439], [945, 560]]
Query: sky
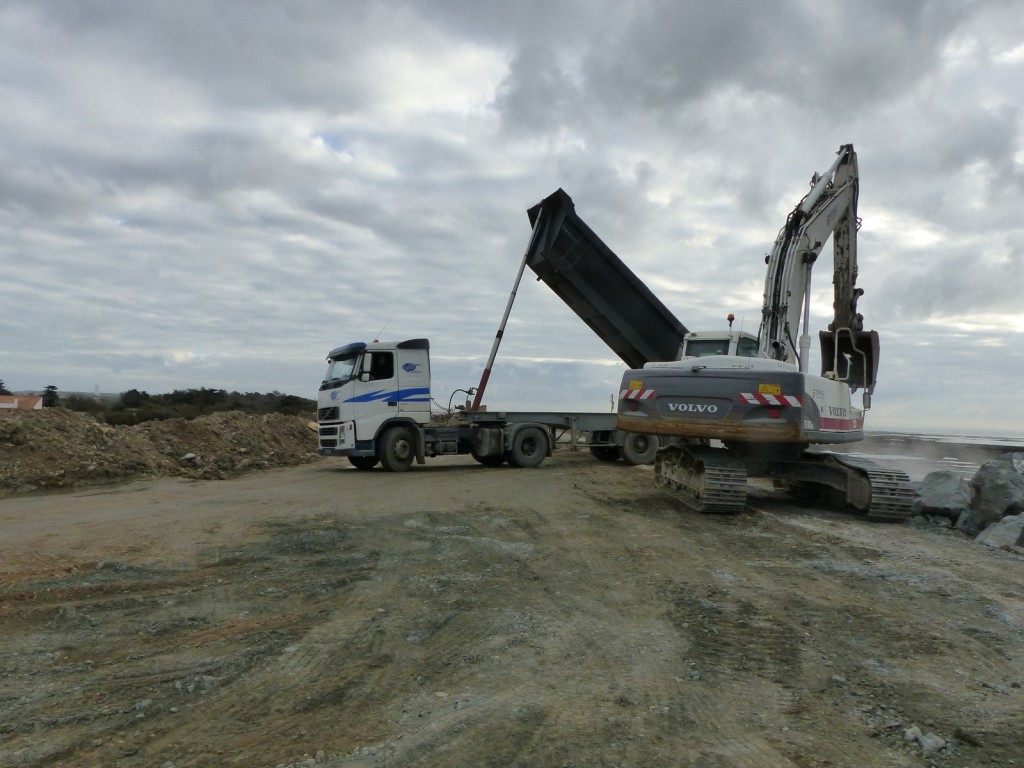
[[216, 194]]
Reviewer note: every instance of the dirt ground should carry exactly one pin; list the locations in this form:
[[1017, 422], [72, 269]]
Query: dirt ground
[[59, 448], [571, 615]]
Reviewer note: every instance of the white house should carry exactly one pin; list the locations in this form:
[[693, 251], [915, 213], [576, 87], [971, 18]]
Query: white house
[[21, 402]]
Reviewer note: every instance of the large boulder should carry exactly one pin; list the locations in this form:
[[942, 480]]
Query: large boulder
[[997, 490], [1005, 534], [943, 493]]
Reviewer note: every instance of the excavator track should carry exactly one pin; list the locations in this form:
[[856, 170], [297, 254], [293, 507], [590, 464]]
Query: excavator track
[[891, 492], [709, 478], [713, 480]]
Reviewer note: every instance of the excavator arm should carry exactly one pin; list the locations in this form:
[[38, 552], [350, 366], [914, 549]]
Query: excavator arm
[[828, 210]]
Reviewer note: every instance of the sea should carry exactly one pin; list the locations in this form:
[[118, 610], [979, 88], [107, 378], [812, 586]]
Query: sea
[[917, 454]]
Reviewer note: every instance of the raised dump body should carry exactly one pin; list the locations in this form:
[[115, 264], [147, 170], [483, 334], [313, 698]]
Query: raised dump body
[[588, 276]]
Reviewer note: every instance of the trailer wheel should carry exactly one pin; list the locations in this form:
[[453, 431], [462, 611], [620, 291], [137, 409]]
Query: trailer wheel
[[363, 462], [604, 452], [529, 447], [397, 449], [639, 449]]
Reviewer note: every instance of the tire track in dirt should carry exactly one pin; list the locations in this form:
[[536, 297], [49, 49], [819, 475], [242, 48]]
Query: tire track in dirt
[[148, 669], [457, 615]]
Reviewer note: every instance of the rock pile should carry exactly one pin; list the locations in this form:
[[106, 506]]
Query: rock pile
[[990, 507], [59, 448]]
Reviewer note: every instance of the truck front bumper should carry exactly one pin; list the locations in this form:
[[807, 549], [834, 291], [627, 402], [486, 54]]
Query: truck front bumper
[[336, 438], [339, 439]]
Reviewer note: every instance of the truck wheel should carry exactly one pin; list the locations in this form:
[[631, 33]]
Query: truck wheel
[[529, 447], [639, 449], [397, 449], [489, 461], [604, 452], [363, 462]]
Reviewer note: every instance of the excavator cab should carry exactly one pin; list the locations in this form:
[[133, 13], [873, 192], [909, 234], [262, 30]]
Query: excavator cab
[[851, 357], [705, 343]]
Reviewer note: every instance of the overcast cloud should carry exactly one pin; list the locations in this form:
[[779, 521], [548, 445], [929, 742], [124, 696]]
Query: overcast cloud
[[217, 193]]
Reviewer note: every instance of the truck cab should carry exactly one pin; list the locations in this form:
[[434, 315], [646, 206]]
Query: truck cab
[[367, 386]]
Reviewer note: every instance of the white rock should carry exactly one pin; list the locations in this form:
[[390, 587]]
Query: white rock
[[1007, 533], [931, 743]]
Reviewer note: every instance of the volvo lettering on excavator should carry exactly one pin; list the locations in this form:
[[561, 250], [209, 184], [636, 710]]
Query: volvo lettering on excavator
[[734, 405]]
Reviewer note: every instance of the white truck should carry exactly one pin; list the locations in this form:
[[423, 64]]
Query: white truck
[[374, 407]]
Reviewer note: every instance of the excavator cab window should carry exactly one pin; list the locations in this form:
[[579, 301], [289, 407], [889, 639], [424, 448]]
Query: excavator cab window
[[740, 345], [706, 347], [746, 347]]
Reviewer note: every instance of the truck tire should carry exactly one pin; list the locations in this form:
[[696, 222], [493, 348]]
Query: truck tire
[[397, 449], [529, 448], [639, 449], [604, 452], [363, 462]]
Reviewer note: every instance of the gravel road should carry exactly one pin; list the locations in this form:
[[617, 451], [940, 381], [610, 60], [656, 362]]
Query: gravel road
[[572, 615]]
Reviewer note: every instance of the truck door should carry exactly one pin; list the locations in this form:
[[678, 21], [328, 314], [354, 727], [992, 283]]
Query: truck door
[[391, 382], [378, 379], [394, 382], [374, 397]]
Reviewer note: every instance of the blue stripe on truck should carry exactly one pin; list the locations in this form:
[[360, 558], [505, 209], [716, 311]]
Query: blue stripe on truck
[[413, 395]]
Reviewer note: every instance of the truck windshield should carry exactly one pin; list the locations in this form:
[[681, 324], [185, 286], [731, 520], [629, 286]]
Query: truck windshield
[[341, 370]]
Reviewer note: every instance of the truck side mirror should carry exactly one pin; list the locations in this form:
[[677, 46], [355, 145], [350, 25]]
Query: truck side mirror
[[364, 376]]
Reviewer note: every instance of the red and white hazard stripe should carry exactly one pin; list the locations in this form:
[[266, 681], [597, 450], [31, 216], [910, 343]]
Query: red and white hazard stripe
[[636, 394], [781, 401]]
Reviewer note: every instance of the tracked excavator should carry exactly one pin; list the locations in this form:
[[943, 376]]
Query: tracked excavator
[[733, 405]]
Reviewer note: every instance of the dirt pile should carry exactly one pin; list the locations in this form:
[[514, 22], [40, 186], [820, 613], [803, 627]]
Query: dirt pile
[[59, 448]]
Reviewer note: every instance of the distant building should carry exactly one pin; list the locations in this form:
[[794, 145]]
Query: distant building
[[21, 402]]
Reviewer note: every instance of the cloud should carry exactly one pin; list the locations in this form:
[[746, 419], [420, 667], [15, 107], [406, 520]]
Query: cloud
[[216, 194]]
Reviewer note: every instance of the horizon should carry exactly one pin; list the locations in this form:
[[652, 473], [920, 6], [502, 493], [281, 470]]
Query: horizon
[[1007, 434]]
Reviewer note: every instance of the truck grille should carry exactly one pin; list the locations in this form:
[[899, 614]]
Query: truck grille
[[328, 443], [327, 414]]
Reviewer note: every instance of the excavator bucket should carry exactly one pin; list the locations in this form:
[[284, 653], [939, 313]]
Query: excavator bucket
[[850, 356], [588, 276]]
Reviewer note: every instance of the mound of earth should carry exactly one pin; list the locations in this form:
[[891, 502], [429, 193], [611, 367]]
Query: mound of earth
[[59, 448]]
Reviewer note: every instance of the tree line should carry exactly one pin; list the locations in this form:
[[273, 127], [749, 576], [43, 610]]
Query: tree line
[[135, 407]]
